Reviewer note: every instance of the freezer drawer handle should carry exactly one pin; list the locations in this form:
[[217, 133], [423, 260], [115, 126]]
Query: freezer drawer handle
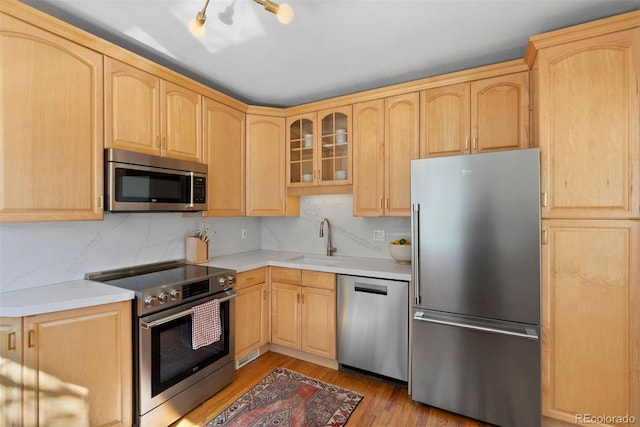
[[529, 332], [371, 289]]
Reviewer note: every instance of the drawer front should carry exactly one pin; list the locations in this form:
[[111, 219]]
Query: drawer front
[[250, 278], [319, 279], [286, 275]]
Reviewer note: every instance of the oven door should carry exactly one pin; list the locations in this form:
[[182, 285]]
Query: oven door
[[166, 361]]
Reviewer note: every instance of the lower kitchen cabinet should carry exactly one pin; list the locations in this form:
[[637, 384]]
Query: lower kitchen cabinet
[[591, 318], [303, 310], [75, 367], [251, 311], [10, 371]]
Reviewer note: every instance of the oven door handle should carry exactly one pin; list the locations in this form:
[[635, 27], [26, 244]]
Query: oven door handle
[[145, 325]]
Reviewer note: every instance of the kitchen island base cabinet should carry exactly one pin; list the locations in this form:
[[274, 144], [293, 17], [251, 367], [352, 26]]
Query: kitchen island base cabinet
[[303, 311], [75, 368]]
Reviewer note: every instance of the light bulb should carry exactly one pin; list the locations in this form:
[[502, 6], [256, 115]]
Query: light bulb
[[285, 13], [196, 26]]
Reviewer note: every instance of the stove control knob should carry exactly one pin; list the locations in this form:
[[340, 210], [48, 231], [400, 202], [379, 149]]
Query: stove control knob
[[231, 279], [176, 295], [150, 301], [163, 298], [222, 281]]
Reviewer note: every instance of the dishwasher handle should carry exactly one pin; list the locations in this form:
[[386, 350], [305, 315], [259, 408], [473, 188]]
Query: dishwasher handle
[[370, 288]]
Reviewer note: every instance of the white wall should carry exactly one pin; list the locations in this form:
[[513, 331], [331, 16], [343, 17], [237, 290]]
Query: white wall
[[34, 254]]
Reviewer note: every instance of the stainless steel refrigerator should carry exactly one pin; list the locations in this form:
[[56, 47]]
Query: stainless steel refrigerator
[[475, 347]]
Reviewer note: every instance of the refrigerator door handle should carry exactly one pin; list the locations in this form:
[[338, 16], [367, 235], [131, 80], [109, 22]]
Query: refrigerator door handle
[[528, 333], [415, 253]]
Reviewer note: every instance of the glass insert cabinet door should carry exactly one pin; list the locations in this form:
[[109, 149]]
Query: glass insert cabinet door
[[335, 152], [302, 168], [318, 148]]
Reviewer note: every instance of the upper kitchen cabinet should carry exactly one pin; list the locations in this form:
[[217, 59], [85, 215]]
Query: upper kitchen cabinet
[[51, 138], [484, 115], [386, 139], [318, 151], [265, 163], [587, 110], [223, 129], [149, 115]]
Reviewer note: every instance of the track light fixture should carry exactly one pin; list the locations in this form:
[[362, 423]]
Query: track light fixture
[[283, 12]]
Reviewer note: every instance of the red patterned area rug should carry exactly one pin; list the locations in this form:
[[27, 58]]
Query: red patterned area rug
[[286, 398]]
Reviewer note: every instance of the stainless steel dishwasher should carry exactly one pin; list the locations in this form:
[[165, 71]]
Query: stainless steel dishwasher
[[373, 325]]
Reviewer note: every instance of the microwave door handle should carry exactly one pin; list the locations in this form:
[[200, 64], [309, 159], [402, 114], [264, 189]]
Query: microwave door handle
[[190, 203], [147, 325]]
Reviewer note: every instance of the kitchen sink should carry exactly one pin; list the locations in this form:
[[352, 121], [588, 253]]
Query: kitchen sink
[[316, 260]]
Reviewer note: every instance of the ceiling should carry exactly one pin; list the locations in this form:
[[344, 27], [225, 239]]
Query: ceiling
[[332, 47]]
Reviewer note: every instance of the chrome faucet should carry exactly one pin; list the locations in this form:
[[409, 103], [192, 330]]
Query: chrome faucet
[[330, 249]]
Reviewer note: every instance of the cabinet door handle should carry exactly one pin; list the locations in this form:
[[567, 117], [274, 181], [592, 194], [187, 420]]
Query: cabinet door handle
[[31, 340], [545, 237], [11, 345], [264, 294], [545, 200], [298, 298], [386, 203], [158, 141], [164, 142], [380, 203], [475, 144], [466, 143]]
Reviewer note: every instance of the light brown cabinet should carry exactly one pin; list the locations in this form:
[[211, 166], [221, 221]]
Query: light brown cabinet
[[591, 318], [251, 311], [265, 163], [490, 114], [11, 371], [589, 136], [223, 129], [386, 139], [52, 149], [303, 311], [586, 109], [70, 367], [150, 115], [319, 148]]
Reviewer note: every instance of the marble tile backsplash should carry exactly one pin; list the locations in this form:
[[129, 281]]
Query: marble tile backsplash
[[351, 236], [35, 254]]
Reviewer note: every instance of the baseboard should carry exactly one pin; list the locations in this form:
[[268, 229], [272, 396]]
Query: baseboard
[[328, 363]]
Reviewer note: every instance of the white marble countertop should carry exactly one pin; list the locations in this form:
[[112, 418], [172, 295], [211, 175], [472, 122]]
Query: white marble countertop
[[85, 293], [368, 267], [59, 296]]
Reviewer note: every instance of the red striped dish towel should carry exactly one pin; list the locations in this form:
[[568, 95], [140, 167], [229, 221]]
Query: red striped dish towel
[[205, 320]]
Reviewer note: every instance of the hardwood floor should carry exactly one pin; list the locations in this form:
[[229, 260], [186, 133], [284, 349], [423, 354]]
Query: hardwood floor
[[385, 403]]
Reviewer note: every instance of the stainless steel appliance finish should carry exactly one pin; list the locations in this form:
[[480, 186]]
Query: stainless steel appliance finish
[[476, 277], [170, 377], [137, 182], [373, 322]]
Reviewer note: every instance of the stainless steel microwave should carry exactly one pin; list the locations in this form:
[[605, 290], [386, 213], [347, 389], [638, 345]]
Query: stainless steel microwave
[[137, 182]]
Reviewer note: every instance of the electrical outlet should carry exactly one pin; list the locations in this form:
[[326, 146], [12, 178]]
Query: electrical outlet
[[378, 235], [244, 233]]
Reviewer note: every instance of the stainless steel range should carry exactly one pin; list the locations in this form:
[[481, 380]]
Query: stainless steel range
[[171, 378]]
